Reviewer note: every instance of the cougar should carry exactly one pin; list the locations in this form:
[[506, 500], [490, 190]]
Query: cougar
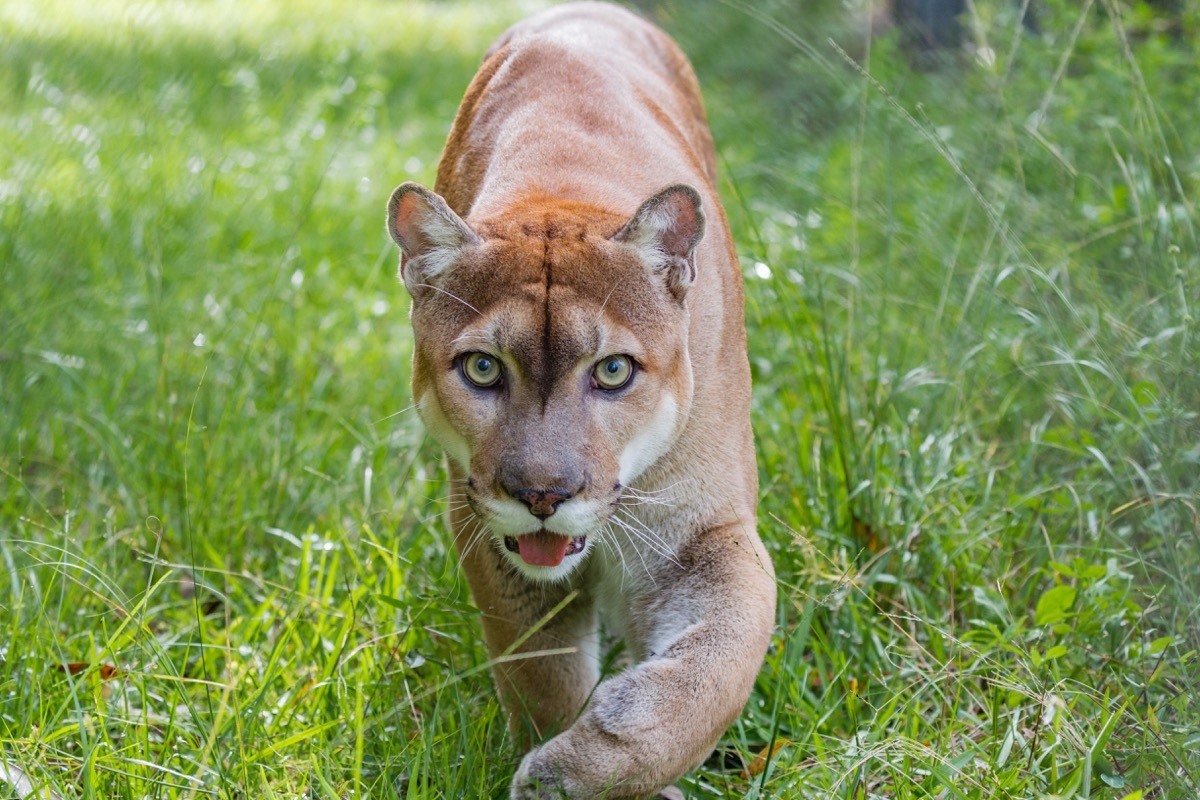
[[580, 355]]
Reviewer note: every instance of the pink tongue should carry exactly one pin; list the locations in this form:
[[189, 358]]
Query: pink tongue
[[543, 549]]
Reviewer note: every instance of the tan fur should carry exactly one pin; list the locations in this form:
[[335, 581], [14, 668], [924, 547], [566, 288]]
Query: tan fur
[[578, 220]]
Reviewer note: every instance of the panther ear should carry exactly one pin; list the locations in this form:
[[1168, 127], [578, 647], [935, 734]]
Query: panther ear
[[429, 233], [666, 229]]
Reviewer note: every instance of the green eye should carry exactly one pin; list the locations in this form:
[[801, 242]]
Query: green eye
[[613, 372], [481, 369]]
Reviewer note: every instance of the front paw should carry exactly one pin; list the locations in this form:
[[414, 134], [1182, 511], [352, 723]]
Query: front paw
[[535, 780]]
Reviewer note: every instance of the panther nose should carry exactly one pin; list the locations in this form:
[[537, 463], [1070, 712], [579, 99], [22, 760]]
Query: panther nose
[[542, 503]]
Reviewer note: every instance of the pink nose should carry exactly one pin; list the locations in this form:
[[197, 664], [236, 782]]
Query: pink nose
[[541, 503]]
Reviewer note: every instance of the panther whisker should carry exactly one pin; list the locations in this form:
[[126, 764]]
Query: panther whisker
[[447, 511], [659, 547], [637, 550], [395, 414], [610, 542], [602, 305], [633, 519], [652, 492], [631, 501], [452, 296], [483, 337], [478, 532]]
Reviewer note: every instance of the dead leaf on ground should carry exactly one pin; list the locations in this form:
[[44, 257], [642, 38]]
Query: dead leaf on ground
[[866, 534], [763, 758], [106, 671]]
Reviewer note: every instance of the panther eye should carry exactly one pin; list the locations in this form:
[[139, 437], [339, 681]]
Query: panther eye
[[613, 372], [481, 369]]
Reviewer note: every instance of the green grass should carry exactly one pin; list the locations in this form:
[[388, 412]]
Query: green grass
[[972, 300]]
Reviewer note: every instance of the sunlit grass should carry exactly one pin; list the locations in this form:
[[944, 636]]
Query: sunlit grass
[[971, 295]]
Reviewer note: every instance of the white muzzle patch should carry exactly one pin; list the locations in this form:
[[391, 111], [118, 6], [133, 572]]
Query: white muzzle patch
[[651, 442]]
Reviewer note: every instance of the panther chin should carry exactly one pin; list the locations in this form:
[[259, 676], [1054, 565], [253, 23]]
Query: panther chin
[[544, 555]]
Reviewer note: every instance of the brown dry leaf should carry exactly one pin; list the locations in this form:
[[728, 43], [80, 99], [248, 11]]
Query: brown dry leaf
[[106, 671], [866, 534], [765, 755]]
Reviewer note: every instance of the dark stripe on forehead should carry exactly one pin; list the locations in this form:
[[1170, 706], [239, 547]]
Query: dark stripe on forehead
[[545, 378], [546, 284], [569, 325]]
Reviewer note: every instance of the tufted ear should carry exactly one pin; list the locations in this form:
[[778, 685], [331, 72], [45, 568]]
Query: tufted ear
[[429, 233], [666, 229]]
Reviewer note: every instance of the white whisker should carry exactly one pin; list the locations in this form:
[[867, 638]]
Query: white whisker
[[479, 532], [483, 337], [633, 533], [633, 500], [652, 538], [633, 519], [663, 493], [602, 305], [447, 511], [611, 541], [396, 413], [452, 296]]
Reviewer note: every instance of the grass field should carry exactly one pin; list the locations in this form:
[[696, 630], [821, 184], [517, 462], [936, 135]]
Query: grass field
[[972, 295]]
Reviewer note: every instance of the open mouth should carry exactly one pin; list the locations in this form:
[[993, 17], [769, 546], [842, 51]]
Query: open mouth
[[544, 549]]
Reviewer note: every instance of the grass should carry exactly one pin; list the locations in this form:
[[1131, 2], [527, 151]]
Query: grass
[[972, 299]]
